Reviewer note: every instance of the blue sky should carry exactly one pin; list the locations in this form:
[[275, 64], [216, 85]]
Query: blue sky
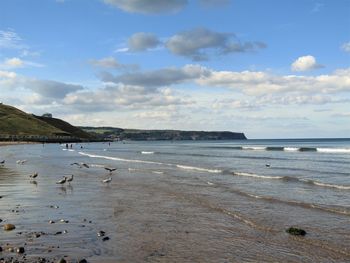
[[271, 69]]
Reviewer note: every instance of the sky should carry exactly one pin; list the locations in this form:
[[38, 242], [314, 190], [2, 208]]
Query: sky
[[268, 68]]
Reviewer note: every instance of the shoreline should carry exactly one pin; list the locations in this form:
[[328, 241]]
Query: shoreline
[[7, 143]]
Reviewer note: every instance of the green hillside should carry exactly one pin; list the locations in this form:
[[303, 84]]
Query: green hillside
[[16, 122], [66, 127], [155, 135], [18, 125]]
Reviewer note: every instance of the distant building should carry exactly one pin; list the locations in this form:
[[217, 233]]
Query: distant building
[[47, 115]]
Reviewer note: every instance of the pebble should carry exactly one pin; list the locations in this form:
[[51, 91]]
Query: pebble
[[51, 222], [9, 227], [0, 249], [82, 261], [20, 250], [62, 260], [101, 233], [105, 238]]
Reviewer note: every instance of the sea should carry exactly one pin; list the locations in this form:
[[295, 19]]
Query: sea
[[181, 201]]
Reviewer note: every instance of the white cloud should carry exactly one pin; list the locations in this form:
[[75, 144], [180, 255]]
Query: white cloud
[[142, 41], [108, 62], [346, 47], [147, 6], [12, 63], [199, 43], [10, 39], [305, 63]]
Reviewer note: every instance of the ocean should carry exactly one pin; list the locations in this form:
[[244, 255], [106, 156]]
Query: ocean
[[182, 201]]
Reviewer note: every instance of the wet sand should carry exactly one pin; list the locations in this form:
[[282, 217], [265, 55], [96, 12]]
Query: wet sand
[[149, 217], [8, 143]]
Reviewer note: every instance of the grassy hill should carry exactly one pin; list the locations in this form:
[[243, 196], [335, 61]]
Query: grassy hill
[[18, 125]]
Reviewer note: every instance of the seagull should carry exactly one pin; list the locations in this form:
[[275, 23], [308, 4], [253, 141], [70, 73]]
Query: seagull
[[85, 165], [110, 169], [108, 180], [34, 175], [62, 181], [70, 179]]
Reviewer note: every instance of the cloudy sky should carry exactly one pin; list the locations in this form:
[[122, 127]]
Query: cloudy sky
[[269, 68]]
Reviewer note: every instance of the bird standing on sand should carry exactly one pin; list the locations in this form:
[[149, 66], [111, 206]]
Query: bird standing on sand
[[34, 175], [62, 181], [110, 169], [70, 179], [107, 181]]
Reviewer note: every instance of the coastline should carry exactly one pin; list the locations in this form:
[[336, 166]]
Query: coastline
[[7, 143]]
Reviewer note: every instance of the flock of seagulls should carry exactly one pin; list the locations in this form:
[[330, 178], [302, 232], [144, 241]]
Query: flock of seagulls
[[66, 179]]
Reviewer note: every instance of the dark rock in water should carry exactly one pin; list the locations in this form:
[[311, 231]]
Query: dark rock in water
[[105, 238], [296, 231], [82, 261], [0, 249], [58, 233], [20, 250], [62, 260], [0, 220], [9, 227]]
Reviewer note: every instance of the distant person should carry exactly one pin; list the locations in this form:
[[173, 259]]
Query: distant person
[[66, 145], [71, 146]]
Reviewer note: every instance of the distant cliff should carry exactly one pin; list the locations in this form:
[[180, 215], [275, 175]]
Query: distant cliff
[[157, 135]]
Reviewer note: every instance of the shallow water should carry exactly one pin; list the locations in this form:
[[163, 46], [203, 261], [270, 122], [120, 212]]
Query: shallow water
[[181, 201]]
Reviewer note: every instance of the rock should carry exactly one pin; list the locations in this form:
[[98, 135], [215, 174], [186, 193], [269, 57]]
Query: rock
[[62, 260], [82, 261], [0, 220], [51, 222], [0, 249], [101, 233], [58, 233], [296, 231], [9, 227], [105, 238], [20, 250]]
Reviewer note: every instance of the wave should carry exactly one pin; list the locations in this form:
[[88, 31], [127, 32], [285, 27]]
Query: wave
[[143, 152], [293, 179], [254, 148], [200, 169], [333, 150], [335, 210], [287, 149], [256, 175], [120, 159]]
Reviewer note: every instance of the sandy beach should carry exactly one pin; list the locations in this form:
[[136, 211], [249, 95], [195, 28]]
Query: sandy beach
[[151, 211], [7, 143]]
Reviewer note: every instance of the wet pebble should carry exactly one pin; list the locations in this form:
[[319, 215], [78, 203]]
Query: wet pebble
[[101, 233], [20, 250], [82, 261], [9, 227], [51, 222], [105, 238]]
